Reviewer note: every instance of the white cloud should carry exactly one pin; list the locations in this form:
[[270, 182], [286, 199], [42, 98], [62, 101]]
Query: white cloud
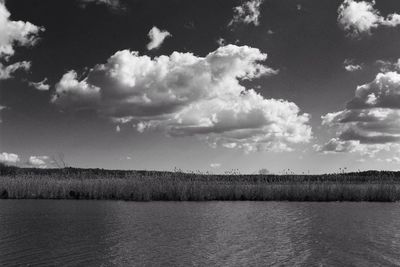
[[41, 86], [248, 12], [112, 4], [349, 65], [371, 120], [352, 68], [39, 161], [215, 165], [9, 158], [6, 72], [186, 95], [157, 37], [70, 90], [360, 17], [14, 33]]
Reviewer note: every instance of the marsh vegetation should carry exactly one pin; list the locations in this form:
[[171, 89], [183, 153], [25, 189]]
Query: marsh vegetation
[[72, 183]]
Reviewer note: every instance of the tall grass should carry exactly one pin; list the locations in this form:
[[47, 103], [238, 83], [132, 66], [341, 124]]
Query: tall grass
[[72, 183]]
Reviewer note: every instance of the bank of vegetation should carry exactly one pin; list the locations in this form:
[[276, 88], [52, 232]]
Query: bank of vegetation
[[74, 183]]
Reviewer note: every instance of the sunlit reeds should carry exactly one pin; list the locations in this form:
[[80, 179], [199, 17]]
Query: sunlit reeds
[[73, 183]]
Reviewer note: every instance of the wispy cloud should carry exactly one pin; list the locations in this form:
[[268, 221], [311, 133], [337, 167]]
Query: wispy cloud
[[112, 4], [248, 12], [7, 71], [350, 66], [41, 86], [387, 65]]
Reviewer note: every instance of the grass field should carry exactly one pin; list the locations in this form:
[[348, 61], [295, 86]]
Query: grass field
[[72, 183]]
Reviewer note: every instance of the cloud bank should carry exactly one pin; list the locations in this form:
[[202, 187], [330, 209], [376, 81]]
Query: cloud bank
[[371, 120], [157, 37], [359, 18], [248, 12], [186, 95]]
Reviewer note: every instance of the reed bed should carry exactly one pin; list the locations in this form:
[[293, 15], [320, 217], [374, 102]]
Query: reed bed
[[70, 183]]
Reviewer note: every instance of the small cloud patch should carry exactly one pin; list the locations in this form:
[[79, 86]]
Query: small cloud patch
[[157, 37]]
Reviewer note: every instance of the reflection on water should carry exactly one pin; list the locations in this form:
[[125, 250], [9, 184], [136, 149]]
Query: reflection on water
[[95, 233]]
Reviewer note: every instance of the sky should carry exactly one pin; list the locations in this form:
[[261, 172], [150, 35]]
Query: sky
[[287, 86]]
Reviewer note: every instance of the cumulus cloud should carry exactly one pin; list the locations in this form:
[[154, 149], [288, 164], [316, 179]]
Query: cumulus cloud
[[371, 120], [349, 65], [39, 162], [15, 33], [157, 37], [112, 4], [12, 34], [9, 158], [360, 17], [41, 86], [187, 95], [70, 90], [248, 12]]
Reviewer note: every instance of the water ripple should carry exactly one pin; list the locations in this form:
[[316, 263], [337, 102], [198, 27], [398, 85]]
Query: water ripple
[[107, 233]]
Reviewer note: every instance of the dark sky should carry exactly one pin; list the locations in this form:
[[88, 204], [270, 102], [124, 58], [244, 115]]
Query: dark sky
[[302, 39]]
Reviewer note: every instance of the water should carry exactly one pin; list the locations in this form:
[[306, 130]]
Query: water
[[107, 233]]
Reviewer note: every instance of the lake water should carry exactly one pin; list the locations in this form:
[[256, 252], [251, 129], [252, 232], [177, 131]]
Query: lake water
[[107, 233]]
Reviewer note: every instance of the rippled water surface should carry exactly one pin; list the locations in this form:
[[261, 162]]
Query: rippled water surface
[[106, 233]]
